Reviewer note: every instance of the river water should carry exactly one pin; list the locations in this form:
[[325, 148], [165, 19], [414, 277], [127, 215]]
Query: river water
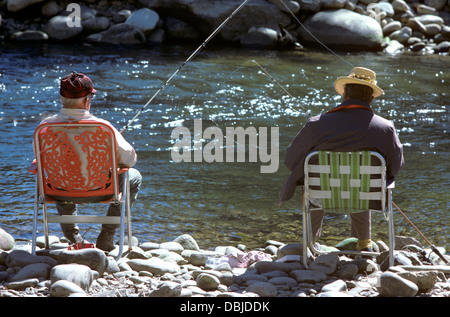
[[222, 203]]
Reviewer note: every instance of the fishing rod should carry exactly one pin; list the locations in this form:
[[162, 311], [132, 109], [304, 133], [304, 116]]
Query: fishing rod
[[435, 250], [214, 33]]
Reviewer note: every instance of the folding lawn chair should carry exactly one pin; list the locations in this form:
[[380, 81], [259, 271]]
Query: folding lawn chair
[[345, 182], [59, 174]]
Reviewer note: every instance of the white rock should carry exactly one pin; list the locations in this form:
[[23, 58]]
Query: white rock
[[63, 288]]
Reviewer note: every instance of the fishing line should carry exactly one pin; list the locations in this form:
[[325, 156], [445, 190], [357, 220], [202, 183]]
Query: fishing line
[[214, 33], [306, 111], [339, 56], [312, 35]]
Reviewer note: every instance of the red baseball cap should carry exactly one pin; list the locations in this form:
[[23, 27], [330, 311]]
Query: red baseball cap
[[76, 85]]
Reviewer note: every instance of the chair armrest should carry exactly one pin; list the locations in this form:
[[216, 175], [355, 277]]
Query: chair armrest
[[33, 167]]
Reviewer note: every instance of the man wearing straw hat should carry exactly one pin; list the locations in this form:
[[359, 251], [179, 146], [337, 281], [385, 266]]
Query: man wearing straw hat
[[351, 126]]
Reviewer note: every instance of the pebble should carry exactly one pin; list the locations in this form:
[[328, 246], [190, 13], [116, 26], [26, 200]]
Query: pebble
[[148, 271]]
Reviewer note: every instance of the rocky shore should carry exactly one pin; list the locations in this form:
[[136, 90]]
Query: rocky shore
[[349, 25], [179, 268]]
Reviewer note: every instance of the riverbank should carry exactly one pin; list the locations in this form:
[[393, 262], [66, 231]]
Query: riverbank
[[354, 25], [179, 268]]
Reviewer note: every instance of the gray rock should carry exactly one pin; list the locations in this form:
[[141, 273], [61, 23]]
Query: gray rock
[[308, 276], [290, 249], [172, 246], [17, 5], [188, 242], [400, 6], [425, 280], [4, 275], [167, 289], [263, 289], [283, 280], [333, 4], [344, 28], [386, 7], [93, 258], [428, 19], [30, 35], [79, 274], [207, 15], [392, 27], [199, 258], [333, 294], [392, 285], [40, 241], [121, 16], [442, 47], [144, 19], [95, 24], [60, 28], [50, 9], [394, 46], [326, 263], [310, 5], [118, 34], [207, 282], [146, 246], [6, 240], [293, 6], [437, 4], [63, 288], [21, 258], [35, 270], [154, 265], [268, 266], [260, 37], [23, 284], [402, 35], [336, 286], [347, 271], [418, 26]]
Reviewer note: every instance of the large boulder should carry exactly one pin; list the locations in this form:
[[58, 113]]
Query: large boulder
[[6, 240], [344, 29], [17, 5], [207, 15], [62, 28], [145, 19], [119, 34]]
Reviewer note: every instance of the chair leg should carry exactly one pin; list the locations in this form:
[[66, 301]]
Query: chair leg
[[35, 220], [306, 226], [123, 210], [47, 243], [128, 214], [391, 229]]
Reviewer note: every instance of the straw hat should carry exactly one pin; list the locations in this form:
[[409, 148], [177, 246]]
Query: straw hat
[[361, 76]]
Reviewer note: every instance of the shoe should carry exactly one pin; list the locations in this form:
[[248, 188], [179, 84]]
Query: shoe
[[74, 238], [105, 241], [367, 250]]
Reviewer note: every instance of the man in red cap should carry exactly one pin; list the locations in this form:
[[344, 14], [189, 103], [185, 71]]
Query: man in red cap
[[76, 92]]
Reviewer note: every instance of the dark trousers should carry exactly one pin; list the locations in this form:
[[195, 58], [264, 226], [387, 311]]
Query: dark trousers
[[70, 208]]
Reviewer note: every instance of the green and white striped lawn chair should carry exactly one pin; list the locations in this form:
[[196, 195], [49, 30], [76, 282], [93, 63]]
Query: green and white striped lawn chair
[[345, 182]]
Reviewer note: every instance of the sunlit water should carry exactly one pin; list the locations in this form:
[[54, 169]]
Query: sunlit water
[[225, 202]]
